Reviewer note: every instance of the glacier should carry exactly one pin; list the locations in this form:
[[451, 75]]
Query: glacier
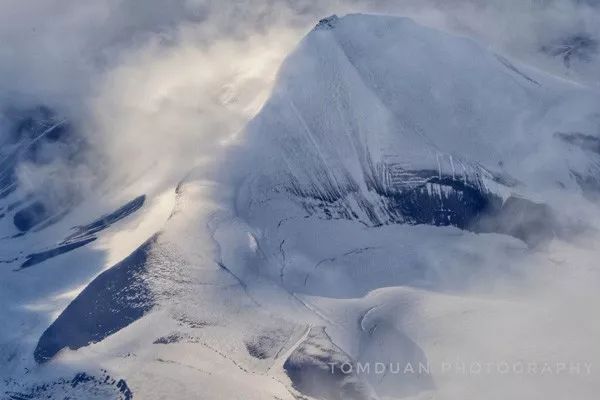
[[406, 195]]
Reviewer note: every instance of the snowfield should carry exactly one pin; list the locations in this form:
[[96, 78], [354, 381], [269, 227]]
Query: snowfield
[[409, 216]]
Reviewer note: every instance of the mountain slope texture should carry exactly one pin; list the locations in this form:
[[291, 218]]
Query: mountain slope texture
[[409, 216]]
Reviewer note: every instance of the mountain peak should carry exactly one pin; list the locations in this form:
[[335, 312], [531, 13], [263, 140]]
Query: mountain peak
[[327, 23]]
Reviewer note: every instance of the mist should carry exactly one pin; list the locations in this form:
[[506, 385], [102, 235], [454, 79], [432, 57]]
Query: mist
[[155, 87], [151, 91]]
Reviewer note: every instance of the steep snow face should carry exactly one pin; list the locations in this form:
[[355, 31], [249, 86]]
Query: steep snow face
[[381, 120]]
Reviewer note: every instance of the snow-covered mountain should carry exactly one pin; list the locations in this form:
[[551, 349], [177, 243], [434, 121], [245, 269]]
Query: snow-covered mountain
[[405, 197], [374, 117]]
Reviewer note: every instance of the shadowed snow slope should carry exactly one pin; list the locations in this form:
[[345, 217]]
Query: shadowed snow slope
[[406, 199]]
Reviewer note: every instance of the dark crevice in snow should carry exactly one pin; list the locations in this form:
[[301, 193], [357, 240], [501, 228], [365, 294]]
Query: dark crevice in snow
[[239, 280], [514, 69], [283, 261]]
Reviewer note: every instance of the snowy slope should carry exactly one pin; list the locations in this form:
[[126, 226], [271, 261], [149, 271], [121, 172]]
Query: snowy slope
[[405, 196], [375, 115]]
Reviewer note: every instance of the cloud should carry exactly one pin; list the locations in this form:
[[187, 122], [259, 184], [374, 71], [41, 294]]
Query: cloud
[[156, 88]]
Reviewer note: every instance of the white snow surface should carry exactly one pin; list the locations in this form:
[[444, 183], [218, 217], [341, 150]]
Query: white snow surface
[[241, 260]]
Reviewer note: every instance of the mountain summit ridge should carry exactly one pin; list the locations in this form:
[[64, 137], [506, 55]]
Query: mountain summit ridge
[[374, 116]]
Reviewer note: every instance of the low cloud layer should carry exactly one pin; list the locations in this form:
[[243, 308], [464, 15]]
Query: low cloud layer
[[159, 87]]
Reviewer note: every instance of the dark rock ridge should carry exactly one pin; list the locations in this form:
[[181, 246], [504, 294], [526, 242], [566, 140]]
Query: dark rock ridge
[[588, 180], [107, 220], [81, 386], [267, 344], [85, 234], [577, 47], [30, 216], [327, 23], [39, 136], [428, 197], [583, 141], [40, 257]]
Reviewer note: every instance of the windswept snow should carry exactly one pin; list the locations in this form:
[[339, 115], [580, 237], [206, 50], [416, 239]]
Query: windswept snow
[[389, 205]]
